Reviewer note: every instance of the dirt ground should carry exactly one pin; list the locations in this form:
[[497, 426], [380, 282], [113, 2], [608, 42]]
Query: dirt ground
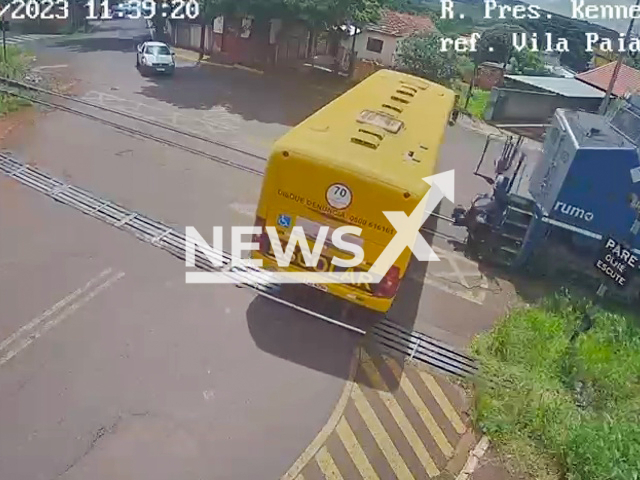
[[9, 123], [493, 467]]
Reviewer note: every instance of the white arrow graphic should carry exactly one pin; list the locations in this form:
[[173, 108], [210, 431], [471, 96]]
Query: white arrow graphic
[[408, 227], [408, 235]]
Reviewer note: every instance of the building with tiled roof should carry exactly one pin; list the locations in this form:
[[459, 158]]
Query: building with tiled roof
[[379, 42], [628, 80], [398, 24]]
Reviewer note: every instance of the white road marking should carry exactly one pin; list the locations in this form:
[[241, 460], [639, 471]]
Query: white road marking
[[208, 395], [48, 67], [445, 281], [248, 209], [475, 291], [217, 120], [56, 320], [36, 321], [456, 269], [453, 291], [26, 38]]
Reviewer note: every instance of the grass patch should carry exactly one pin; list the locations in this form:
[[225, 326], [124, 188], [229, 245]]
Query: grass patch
[[562, 409], [477, 103], [15, 66]]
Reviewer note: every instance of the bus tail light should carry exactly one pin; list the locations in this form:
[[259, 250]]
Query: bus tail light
[[261, 238], [388, 286]]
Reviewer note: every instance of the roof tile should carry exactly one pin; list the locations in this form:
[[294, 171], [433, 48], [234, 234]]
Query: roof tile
[[628, 80], [402, 24]]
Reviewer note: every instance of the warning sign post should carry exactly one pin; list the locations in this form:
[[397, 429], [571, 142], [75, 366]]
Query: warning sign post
[[617, 262]]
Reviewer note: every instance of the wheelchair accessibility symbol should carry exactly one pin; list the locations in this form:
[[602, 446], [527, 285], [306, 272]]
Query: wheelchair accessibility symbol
[[284, 221]]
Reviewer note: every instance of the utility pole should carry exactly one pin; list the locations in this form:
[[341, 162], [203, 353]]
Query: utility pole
[[4, 37], [4, 41], [616, 70]]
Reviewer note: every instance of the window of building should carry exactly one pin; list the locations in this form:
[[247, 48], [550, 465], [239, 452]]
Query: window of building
[[374, 45]]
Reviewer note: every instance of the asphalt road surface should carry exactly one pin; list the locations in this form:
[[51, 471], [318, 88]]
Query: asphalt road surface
[[112, 367]]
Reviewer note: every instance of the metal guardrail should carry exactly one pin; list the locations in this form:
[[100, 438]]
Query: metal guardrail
[[415, 345]]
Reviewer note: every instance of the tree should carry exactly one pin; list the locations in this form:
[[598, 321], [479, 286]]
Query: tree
[[317, 14], [331, 13], [421, 55], [527, 62], [495, 44], [415, 7], [633, 60]]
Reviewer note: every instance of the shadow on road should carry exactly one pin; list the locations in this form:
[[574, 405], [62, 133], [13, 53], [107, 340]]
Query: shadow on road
[[300, 338], [320, 345], [102, 44], [264, 98]]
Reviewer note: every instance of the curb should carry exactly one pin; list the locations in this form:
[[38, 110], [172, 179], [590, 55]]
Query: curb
[[180, 53], [330, 425], [474, 458]]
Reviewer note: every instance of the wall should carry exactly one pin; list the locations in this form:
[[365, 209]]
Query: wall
[[520, 106], [601, 57], [232, 46], [488, 77], [291, 45], [363, 68], [187, 35], [386, 57]]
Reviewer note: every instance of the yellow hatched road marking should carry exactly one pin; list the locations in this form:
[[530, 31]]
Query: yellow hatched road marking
[[399, 416], [443, 401], [421, 408], [351, 444], [380, 434], [327, 465]]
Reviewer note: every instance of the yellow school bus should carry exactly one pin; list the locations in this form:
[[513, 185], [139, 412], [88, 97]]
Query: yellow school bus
[[364, 153]]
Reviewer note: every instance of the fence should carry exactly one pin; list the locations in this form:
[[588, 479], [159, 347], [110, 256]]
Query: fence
[[521, 106]]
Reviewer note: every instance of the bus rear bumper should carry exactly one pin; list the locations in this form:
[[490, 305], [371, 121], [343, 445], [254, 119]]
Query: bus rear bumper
[[343, 291]]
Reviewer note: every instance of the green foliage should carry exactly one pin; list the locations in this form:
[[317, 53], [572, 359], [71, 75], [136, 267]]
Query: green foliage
[[477, 102], [409, 6], [330, 13], [454, 27], [317, 13], [574, 405], [495, 44], [14, 67], [577, 58], [473, 12], [633, 62], [421, 55], [527, 62], [465, 66]]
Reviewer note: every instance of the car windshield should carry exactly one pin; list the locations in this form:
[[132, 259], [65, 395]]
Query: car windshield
[[158, 50]]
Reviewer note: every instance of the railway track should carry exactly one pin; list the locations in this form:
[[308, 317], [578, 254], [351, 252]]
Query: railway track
[[15, 88], [413, 345], [137, 132], [164, 126]]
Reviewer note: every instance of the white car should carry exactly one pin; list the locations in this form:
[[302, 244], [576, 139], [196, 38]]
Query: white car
[[155, 57], [118, 11]]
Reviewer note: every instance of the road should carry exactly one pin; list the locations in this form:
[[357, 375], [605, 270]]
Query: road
[[112, 367]]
